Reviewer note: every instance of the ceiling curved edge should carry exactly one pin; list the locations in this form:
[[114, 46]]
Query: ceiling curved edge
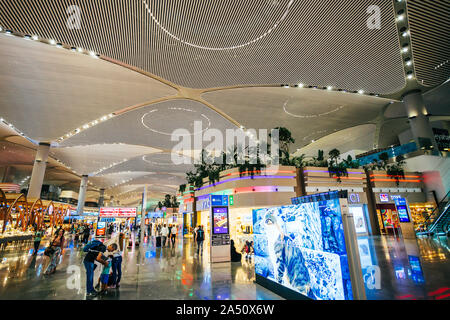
[[44, 83]]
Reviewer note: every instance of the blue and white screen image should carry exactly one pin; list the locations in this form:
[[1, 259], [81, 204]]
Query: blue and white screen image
[[302, 247]]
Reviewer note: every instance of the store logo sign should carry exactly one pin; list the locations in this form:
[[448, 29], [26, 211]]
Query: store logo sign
[[354, 198], [206, 204], [384, 197]]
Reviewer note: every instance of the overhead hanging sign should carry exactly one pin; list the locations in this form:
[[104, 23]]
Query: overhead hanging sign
[[117, 212]]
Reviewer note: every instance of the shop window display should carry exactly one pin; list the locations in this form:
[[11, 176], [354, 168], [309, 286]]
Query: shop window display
[[302, 247]]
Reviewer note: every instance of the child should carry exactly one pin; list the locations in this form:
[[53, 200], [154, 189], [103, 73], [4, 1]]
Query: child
[[103, 280]]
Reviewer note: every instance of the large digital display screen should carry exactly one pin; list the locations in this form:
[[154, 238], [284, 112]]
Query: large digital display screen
[[220, 220], [302, 247]]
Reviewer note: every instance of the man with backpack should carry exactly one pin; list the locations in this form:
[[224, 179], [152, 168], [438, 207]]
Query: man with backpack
[[200, 237], [94, 250]]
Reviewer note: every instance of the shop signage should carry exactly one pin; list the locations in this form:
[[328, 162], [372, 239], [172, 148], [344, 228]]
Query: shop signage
[[231, 200], [206, 204], [442, 138], [393, 197], [219, 200], [354, 198], [384, 197], [118, 212]]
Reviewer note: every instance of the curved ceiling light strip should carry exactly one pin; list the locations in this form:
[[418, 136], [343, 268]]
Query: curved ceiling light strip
[[265, 34], [158, 163], [313, 115], [177, 109]]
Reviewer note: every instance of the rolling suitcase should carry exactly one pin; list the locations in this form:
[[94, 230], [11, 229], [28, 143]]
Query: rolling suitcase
[[158, 242]]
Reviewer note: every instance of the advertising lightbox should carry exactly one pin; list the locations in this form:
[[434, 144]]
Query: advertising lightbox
[[358, 218], [117, 212], [220, 219], [302, 247]]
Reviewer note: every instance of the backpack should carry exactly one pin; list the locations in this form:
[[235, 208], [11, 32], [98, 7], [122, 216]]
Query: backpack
[[91, 245], [200, 235]]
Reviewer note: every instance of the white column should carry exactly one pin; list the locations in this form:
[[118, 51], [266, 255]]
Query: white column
[[37, 176], [143, 212], [418, 120], [82, 194]]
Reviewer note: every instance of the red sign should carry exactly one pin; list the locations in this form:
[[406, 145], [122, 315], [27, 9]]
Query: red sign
[[117, 212], [147, 221]]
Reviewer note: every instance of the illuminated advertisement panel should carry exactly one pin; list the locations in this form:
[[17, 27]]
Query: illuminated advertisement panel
[[358, 218], [402, 209], [117, 212], [220, 218], [101, 228], [302, 247]]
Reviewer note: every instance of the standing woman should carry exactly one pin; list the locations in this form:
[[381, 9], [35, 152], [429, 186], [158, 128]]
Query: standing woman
[[54, 250]]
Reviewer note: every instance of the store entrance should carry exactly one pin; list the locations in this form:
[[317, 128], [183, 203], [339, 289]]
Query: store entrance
[[388, 219]]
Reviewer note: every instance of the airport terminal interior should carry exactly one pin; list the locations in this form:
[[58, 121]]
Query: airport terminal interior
[[224, 150]]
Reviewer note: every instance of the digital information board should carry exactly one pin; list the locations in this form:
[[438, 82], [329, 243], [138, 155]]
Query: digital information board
[[220, 229]]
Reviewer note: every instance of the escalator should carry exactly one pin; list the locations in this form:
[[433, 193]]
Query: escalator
[[438, 223]]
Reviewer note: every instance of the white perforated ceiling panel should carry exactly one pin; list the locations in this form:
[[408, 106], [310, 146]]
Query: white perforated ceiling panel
[[203, 44]]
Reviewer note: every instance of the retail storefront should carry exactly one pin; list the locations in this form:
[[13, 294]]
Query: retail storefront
[[245, 193]]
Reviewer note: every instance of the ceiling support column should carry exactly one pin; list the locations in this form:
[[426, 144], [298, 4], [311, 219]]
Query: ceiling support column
[[419, 122], [82, 195], [101, 198], [38, 173], [143, 213]]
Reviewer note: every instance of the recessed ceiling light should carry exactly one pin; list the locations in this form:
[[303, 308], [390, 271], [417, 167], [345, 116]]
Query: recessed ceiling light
[[329, 88], [401, 17], [301, 85], [52, 42], [361, 91], [27, 37], [59, 45], [410, 76], [408, 63], [35, 37], [405, 49]]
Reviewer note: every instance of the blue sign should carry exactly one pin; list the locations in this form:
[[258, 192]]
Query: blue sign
[[402, 209], [219, 200]]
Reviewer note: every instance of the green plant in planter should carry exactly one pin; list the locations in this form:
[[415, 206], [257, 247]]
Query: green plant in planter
[[334, 168], [182, 188], [337, 170], [396, 171]]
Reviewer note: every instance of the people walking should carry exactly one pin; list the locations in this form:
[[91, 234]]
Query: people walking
[[164, 234], [200, 237], [86, 234], [173, 235], [54, 250], [37, 240]]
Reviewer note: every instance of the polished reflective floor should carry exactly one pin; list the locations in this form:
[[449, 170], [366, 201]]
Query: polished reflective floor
[[392, 268]]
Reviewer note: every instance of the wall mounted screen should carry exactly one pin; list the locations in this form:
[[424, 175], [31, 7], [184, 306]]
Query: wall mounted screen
[[302, 247]]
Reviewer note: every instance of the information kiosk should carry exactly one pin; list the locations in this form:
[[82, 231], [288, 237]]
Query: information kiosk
[[220, 229]]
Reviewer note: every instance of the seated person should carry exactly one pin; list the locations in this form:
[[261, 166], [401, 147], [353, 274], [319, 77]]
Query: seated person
[[235, 256]]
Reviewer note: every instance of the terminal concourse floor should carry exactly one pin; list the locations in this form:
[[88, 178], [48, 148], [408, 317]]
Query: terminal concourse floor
[[409, 269]]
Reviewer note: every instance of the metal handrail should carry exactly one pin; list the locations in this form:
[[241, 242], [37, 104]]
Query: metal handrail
[[438, 211]]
